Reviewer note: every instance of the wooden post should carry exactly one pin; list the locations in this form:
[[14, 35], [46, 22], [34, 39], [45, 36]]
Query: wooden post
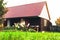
[[42, 24], [8, 23]]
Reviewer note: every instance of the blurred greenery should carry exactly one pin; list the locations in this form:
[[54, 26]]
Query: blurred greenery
[[3, 10], [20, 35]]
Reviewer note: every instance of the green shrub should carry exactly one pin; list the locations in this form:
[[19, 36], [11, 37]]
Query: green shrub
[[31, 30]]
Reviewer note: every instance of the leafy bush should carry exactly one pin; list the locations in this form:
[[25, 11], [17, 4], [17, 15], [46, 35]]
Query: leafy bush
[[9, 28], [31, 30]]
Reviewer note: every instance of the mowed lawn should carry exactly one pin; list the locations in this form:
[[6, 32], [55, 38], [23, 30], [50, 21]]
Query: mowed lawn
[[18, 35]]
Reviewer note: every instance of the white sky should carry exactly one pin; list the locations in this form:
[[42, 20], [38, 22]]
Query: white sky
[[53, 6]]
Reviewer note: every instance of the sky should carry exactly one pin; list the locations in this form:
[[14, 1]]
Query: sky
[[53, 6]]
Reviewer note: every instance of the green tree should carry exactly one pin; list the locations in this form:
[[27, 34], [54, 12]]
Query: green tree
[[3, 10]]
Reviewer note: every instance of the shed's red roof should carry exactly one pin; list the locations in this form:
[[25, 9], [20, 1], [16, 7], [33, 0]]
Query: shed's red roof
[[33, 9]]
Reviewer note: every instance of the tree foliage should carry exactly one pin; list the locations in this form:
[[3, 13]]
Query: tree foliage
[[58, 21], [3, 9]]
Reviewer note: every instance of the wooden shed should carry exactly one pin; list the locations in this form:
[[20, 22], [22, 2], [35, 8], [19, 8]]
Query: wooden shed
[[36, 14]]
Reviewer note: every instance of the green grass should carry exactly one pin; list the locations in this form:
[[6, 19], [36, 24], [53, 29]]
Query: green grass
[[18, 35]]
